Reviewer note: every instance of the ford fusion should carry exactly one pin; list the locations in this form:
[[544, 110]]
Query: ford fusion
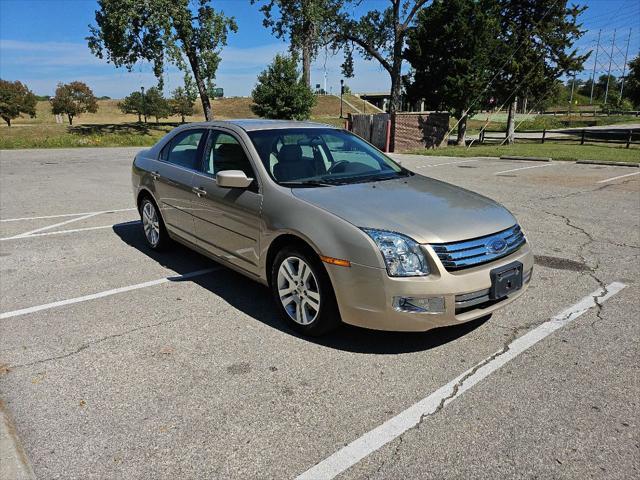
[[337, 230]]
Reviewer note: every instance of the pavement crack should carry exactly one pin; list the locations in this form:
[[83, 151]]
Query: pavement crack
[[592, 270], [584, 192], [87, 345]]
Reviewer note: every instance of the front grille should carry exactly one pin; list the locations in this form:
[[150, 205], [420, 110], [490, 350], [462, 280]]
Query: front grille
[[469, 253]]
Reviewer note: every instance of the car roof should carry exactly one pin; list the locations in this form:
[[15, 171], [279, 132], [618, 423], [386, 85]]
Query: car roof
[[252, 124]]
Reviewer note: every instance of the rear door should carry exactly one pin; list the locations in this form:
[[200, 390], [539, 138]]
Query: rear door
[[227, 219], [173, 177]]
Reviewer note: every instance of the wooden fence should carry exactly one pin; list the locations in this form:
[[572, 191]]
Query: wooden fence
[[626, 137]]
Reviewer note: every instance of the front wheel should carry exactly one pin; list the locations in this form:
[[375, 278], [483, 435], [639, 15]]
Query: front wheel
[[303, 294], [154, 230]]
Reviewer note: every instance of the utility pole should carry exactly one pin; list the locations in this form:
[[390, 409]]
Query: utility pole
[[341, 92], [624, 65], [606, 90], [573, 84], [595, 63]]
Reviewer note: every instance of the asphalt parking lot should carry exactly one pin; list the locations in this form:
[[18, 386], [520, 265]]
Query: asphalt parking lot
[[118, 362]]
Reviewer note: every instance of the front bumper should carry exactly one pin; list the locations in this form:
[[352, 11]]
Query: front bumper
[[365, 294]]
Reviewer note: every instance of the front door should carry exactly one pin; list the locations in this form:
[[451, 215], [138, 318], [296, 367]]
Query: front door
[[173, 176], [227, 219]]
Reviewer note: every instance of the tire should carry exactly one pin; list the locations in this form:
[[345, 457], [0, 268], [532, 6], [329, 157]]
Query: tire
[[155, 233], [303, 293]]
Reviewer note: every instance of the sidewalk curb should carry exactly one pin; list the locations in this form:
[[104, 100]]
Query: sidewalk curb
[[14, 464], [606, 162], [531, 159]]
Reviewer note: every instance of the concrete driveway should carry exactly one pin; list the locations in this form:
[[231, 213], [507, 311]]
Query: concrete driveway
[[119, 362]]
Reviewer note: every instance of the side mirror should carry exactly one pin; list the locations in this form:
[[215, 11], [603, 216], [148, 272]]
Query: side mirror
[[233, 179]]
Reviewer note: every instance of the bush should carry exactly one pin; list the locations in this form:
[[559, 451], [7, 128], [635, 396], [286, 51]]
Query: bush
[[281, 93]]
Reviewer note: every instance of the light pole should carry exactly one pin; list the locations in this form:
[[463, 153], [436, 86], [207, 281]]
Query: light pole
[[341, 92], [144, 106]]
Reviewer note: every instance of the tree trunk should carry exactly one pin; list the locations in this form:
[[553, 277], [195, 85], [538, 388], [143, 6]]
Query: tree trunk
[[511, 122], [306, 65], [462, 130], [139, 118], [202, 89], [70, 119], [182, 118], [8, 120]]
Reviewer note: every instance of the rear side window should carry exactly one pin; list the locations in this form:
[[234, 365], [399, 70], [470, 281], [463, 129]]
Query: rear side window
[[185, 150]]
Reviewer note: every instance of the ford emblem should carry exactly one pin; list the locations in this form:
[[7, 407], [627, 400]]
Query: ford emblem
[[497, 246]]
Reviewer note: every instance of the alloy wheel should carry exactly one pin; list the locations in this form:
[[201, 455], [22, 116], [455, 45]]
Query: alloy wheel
[[151, 223], [298, 290]]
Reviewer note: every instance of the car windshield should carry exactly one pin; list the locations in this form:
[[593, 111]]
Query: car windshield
[[314, 157]]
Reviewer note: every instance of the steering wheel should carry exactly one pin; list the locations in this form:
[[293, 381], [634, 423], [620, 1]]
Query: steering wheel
[[333, 167]]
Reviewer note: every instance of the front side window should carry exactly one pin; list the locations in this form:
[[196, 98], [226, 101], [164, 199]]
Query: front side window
[[311, 156], [184, 150], [226, 153]]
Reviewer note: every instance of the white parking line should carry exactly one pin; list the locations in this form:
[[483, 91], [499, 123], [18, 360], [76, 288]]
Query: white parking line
[[21, 219], [106, 293], [409, 418], [619, 176], [49, 227], [525, 168], [447, 163], [74, 230]]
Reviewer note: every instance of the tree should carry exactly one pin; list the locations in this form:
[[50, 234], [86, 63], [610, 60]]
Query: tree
[[73, 99], [307, 23], [380, 35], [631, 88], [450, 49], [541, 34], [156, 105], [163, 31], [181, 103], [281, 93], [16, 99], [134, 103]]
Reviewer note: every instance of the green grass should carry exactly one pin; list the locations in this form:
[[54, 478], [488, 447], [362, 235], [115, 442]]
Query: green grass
[[555, 151]]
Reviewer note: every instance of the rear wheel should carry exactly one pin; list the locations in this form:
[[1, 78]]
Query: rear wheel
[[154, 230], [303, 294]]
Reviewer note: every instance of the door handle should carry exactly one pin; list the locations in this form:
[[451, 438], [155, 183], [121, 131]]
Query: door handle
[[155, 175], [199, 191]]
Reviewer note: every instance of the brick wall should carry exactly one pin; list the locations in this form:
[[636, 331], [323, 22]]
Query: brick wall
[[416, 130]]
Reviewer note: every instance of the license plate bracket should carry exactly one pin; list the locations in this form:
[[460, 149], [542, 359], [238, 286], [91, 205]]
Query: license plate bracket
[[505, 280]]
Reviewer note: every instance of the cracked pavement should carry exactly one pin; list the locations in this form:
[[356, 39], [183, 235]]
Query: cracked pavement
[[198, 379]]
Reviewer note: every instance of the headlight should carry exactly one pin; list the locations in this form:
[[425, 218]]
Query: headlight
[[402, 255]]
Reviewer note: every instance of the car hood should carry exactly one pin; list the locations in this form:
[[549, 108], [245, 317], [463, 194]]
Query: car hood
[[425, 209]]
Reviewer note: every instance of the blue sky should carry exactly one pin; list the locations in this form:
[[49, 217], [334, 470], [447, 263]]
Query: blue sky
[[42, 43]]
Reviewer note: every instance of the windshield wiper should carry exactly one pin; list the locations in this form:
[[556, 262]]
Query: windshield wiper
[[307, 183]]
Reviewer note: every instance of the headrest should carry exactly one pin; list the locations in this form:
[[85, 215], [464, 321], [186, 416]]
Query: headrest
[[290, 154], [229, 150]]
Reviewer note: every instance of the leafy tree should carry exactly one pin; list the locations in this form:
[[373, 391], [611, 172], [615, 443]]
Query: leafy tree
[[156, 105], [631, 88], [134, 103], [16, 99], [541, 34], [307, 23], [73, 99], [281, 93], [163, 31], [181, 103], [381, 35], [451, 49]]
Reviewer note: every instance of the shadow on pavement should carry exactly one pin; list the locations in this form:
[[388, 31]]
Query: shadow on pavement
[[255, 300]]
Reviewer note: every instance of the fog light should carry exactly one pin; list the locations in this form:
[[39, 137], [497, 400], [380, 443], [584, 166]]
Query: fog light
[[419, 304]]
